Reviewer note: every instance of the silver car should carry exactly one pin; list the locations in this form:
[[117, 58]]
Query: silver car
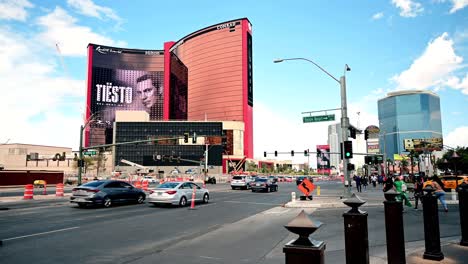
[[241, 182], [178, 193]]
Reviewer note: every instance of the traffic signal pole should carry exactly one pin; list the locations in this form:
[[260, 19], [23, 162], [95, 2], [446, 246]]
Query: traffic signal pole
[[344, 134]]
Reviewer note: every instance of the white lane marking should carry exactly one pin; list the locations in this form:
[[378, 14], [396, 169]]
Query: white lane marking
[[251, 203], [43, 233], [206, 257]]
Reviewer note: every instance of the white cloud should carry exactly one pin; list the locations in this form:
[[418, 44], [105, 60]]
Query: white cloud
[[378, 16], [35, 104], [458, 137], [61, 28], [433, 68], [458, 5], [89, 8], [457, 84], [408, 8], [14, 9]]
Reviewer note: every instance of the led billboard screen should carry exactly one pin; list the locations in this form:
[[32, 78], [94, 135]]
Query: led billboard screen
[[323, 159], [122, 79]]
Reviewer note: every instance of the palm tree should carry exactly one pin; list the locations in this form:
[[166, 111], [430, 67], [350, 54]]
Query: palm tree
[[404, 164]]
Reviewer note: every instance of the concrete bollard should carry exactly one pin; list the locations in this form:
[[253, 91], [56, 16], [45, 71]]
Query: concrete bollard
[[303, 249], [318, 190], [293, 196], [394, 228], [463, 207], [356, 232], [431, 226]]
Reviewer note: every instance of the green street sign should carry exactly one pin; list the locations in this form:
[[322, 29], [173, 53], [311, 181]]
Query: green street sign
[[90, 153], [310, 119]]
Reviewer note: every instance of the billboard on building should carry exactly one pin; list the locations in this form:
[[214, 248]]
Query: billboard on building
[[323, 159], [373, 145], [121, 79], [423, 144]]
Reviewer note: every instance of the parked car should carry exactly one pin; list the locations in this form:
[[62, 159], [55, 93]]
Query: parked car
[[262, 184], [301, 178], [288, 179], [178, 193], [106, 193], [241, 182], [150, 179], [273, 178]]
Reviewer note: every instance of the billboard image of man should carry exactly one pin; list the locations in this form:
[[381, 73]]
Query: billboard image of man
[[149, 91]]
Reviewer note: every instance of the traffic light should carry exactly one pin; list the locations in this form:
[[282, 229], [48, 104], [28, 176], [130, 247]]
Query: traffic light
[[319, 152], [366, 134], [368, 160], [276, 153], [348, 149], [264, 154], [194, 138], [306, 152], [352, 132], [292, 153], [186, 135]]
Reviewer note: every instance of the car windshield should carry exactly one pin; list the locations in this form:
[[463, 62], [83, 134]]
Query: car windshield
[[261, 180], [92, 184], [169, 185], [237, 178]]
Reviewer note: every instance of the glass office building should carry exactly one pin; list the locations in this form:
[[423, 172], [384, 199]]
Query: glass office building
[[412, 114]]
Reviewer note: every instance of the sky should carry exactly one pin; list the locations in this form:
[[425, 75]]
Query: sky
[[388, 44]]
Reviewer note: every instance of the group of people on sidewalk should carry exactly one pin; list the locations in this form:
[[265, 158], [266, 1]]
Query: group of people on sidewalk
[[401, 187]]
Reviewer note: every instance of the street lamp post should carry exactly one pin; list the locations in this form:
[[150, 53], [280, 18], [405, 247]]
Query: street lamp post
[[344, 115], [80, 148]]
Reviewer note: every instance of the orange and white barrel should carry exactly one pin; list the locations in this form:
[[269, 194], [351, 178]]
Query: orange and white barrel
[[28, 192], [59, 190], [145, 185]]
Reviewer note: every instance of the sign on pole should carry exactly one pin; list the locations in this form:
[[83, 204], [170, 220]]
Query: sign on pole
[[321, 118], [90, 153]]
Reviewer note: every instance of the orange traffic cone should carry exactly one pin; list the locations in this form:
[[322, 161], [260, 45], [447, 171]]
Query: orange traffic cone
[[28, 192]]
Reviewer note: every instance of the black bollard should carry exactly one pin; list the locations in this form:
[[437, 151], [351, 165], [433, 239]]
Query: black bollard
[[431, 226], [356, 233], [394, 228], [303, 249], [463, 207]]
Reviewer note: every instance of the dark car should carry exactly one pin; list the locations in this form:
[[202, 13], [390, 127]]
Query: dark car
[[301, 178], [263, 184], [106, 193], [273, 178], [211, 180]]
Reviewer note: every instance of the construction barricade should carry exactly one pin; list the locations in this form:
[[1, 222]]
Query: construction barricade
[[28, 192], [59, 190]]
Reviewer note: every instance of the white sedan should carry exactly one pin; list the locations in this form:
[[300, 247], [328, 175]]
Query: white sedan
[[178, 193]]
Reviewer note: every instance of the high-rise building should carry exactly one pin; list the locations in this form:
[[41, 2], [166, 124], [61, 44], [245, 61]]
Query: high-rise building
[[408, 118]]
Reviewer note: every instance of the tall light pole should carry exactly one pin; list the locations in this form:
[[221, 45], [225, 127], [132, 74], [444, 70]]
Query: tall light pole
[[344, 115], [80, 149]]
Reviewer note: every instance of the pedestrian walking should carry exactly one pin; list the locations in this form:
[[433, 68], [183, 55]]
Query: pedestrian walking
[[358, 183], [374, 181], [439, 191], [400, 187], [387, 184], [364, 182], [418, 190]]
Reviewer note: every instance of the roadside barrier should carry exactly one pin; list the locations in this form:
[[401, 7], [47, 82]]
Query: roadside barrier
[[145, 185], [192, 206], [44, 192], [59, 190], [28, 192], [138, 184]]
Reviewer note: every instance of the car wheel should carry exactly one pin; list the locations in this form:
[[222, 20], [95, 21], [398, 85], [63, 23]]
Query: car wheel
[[206, 198], [140, 199], [183, 201], [81, 205], [107, 202], [233, 188], [253, 190]]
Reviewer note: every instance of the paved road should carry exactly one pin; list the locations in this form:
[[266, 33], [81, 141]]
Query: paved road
[[235, 227]]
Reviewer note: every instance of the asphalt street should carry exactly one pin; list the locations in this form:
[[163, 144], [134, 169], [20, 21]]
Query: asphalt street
[[237, 226]]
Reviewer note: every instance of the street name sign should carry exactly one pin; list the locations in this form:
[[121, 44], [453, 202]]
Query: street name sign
[[321, 118], [90, 153]]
